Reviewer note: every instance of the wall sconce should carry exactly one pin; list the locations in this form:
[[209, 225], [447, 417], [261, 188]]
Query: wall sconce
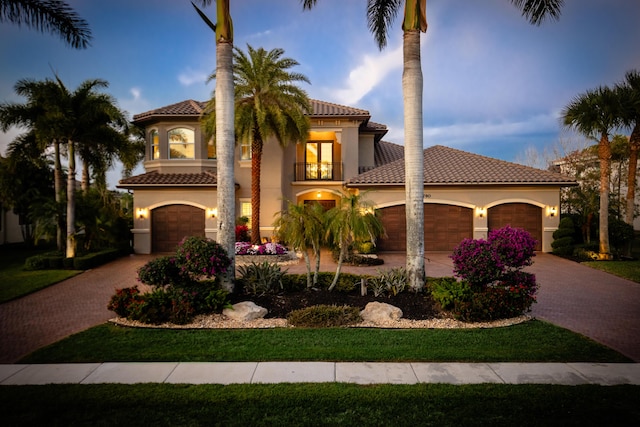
[[318, 194], [212, 212], [142, 213], [481, 212], [552, 210]]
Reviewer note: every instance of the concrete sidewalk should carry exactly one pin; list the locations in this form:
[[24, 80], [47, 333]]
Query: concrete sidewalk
[[321, 372]]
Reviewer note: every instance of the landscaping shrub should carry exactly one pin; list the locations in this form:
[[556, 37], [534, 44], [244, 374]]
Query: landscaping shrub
[[324, 316], [620, 234], [162, 271], [185, 285], [493, 285], [563, 237], [95, 259], [199, 256], [242, 233], [36, 262], [261, 278]]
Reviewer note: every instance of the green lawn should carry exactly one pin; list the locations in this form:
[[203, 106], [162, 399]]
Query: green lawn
[[16, 282], [534, 341], [627, 269], [319, 405]]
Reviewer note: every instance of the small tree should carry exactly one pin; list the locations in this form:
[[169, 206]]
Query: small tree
[[563, 237], [302, 227], [353, 220]]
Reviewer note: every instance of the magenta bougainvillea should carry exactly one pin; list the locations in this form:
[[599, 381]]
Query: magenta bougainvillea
[[492, 268]]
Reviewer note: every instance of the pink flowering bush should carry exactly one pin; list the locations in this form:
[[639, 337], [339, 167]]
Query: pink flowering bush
[[199, 256], [492, 272], [246, 248]]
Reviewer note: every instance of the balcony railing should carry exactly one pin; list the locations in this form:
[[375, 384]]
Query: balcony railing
[[318, 171]]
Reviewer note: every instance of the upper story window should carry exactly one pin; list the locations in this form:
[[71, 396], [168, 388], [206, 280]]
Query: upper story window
[[181, 143], [155, 144], [245, 149], [319, 160]]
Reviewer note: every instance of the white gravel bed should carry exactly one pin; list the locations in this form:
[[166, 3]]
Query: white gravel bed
[[220, 321]]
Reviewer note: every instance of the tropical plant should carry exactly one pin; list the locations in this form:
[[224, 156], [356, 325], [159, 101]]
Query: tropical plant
[[302, 227], [261, 278], [224, 134], [53, 16], [595, 114], [629, 93], [380, 15], [354, 219], [268, 104]]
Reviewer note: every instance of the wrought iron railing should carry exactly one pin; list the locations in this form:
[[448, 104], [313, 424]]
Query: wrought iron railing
[[318, 171]]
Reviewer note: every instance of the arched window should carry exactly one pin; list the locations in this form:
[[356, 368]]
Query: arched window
[[181, 143], [155, 144]]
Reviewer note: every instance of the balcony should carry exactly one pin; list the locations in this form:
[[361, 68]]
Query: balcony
[[318, 171]]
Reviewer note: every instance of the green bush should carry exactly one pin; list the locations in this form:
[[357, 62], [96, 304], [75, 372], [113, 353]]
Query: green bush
[[95, 259], [261, 278], [563, 237], [447, 291], [121, 302], [162, 271], [36, 262], [324, 316]]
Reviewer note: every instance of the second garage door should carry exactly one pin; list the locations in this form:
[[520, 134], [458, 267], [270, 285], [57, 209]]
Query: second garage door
[[170, 224], [445, 226], [517, 215]]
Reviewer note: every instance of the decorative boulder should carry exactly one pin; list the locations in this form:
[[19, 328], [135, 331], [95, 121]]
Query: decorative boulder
[[378, 312], [244, 311]]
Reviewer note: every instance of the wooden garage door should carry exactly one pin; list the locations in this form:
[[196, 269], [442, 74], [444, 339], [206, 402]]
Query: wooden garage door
[[170, 224], [517, 215], [445, 226]]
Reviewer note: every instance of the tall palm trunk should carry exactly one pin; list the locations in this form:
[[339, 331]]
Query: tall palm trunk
[[256, 163], [85, 177], [71, 202], [58, 186], [414, 167], [634, 142], [604, 154], [225, 149]]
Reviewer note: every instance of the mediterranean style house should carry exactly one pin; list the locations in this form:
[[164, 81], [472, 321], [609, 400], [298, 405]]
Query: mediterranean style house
[[465, 195]]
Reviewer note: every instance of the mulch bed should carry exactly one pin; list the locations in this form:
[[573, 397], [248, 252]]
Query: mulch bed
[[414, 306]]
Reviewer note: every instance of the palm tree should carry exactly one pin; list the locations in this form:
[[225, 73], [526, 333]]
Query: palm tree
[[225, 138], [53, 16], [629, 93], [380, 15], [595, 114], [39, 115], [268, 103], [302, 227], [352, 221]]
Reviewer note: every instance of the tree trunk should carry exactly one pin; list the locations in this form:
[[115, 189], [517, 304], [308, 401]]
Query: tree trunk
[[225, 142], [71, 202], [413, 158], [634, 142], [334, 282], [85, 177], [604, 154], [256, 164], [58, 184]]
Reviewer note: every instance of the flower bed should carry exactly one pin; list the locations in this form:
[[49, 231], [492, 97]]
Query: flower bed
[[246, 253]]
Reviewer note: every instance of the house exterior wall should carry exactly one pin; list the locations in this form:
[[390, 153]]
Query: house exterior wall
[[150, 199], [9, 227]]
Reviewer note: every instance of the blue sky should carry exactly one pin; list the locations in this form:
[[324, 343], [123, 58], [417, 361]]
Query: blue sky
[[493, 83]]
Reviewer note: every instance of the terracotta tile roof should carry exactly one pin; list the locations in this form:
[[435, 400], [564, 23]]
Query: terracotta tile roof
[[180, 109], [202, 179], [387, 152], [195, 108], [448, 166]]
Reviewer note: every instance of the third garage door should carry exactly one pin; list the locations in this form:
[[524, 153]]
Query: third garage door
[[445, 226], [517, 215]]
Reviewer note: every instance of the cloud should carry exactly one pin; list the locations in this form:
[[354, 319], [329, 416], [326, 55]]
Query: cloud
[[371, 70], [135, 103], [462, 134], [190, 77]]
